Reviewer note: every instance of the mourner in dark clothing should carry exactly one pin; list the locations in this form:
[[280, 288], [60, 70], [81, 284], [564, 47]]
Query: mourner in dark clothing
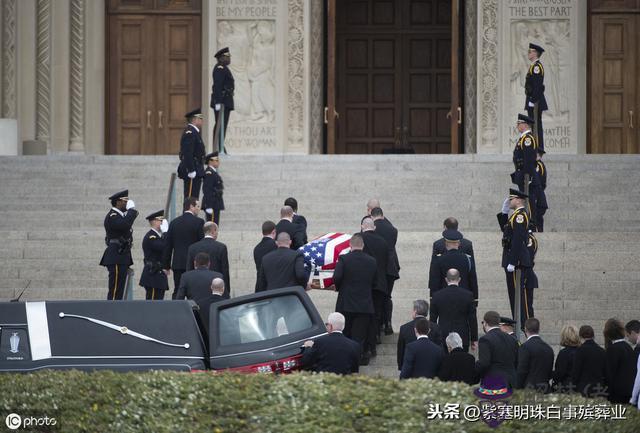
[[355, 277], [407, 332], [118, 226], [422, 358], [216, 294], [466, 246], [334, 352], [497, 352], [154, 278], [389, 233], [297, 218], [222, 91], [196, 284], [588, 373], [569, 340], [212, 189], [265, 246], [217, 251], [295, 231], [458, 365], [283, 267], [535, 359], [632, 329], [377, 247], [620, 362], [183, 231], [453, 309], [191, 167]]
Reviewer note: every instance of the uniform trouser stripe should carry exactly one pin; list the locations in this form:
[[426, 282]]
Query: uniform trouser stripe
[[526, 303], [153, 294], [115, 284], [190, 186]]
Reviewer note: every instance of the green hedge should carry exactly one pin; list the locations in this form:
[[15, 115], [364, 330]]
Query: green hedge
[[161, 402]]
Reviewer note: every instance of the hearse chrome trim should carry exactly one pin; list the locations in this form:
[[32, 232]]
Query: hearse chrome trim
[[269, 348], [123, 330], [53, 366], [38, 330]]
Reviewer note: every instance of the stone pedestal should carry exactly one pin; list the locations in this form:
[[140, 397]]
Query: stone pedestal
[[8, 137]]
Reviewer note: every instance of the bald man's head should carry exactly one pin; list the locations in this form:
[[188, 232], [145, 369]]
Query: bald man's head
[[453, 276], [371, 204], [286, 212], [283, 240], [368, 225]]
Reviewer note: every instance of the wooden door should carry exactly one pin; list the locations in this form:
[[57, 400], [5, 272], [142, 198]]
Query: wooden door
[[154, 73]]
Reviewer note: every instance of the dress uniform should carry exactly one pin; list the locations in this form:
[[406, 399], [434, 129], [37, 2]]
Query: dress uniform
[[541, 202], [453, 259], [191, 157], [529, 275], [524, 160], [153, 278], [515, 253], [534, 91], [212, 189], [223, 88], [508, 321], [119, 235]]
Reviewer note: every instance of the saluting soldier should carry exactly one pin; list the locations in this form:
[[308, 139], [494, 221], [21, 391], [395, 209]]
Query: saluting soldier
[[525, 155], [534, 89], [154, 278], [119, 235], [212, 189], [515, 253], [541, 202], [223, 88], [453, 258], [192, 151]]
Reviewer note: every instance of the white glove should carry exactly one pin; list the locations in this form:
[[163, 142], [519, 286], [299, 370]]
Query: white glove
[[191, 175], [505, 205], [130, 204], [209, 210], [511, 268], [164, 226], [217, 107], [531, 104]]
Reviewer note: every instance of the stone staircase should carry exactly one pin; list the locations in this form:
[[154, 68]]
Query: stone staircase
[[52, 210]]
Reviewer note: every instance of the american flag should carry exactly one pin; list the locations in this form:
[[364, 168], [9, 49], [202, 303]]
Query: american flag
[[321, 256]]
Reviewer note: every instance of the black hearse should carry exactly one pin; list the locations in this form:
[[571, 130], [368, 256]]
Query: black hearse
[[262, 332]]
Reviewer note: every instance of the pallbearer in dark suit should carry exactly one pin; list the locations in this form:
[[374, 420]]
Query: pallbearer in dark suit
[[265, 246], [422, 358], [334, 352], [212, 189], [119, 236], [297, 219], [497, 352], [217, 251], [541, 202], [535, 359], [286, 225], [534, 88], [355, 277], [154, 278], [282, 267], [192, 151], [223, 88], [377, 247]]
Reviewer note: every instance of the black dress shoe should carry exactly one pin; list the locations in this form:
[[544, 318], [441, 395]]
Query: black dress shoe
[[388, 330], [364, 359]]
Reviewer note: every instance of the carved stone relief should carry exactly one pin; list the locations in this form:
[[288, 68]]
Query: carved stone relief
[[43, 70], [487, 137], [76, 82], [295, 91], [316, 65], [8, 108]]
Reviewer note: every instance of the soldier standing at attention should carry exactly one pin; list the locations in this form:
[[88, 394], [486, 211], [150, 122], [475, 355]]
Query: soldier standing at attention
[[541, 202], [119, 236], [222, 90], [212, 189], [534, 89], [525, 155], [192, 155], [154, 278]]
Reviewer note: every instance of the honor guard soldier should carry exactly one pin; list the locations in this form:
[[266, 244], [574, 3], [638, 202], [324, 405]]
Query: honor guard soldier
[[529, 274], [222, 90], [525, 155], [534, 89], [191, 168], [453, 258], [154, 278], [212, 189], [541, 202], [119, 235], [515, 235]]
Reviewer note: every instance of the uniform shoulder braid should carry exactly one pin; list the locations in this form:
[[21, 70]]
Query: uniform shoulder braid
[[536, 69]]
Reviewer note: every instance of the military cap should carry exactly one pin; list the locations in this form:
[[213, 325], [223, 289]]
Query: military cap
[[523, 118], [194, 113], [210, 156], [538, 48], [514, 193], [156, 215], [122, 195], [450, 235], [507, 321], [223, 52]]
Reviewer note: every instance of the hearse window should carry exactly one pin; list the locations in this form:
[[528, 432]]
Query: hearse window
[[262, 320]]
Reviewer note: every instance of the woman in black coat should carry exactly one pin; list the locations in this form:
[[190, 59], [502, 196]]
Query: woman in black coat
[[620, 362], [561, 375], [458, 365]]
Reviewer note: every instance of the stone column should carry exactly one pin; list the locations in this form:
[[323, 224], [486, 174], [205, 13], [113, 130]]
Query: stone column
[[8, 121], [470, 75], [316, 75], [76, 124], [43, 71]]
